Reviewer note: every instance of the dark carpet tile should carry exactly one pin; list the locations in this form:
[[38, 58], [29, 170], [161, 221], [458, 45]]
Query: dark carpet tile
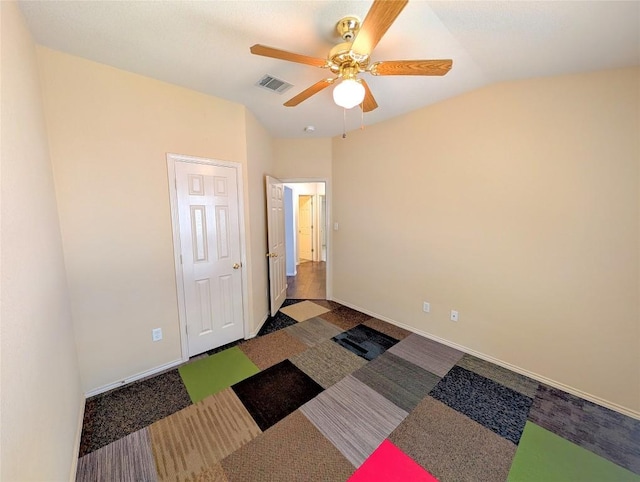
[[118, 413], [275, 323], [290, 302], [398, 380], [344, 317], [365, 342], [224, 347], [274, 393], [496, 407], [595, 428]]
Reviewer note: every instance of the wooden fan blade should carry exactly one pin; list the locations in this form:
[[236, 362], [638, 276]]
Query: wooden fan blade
[[380, 17], [369, 103], [305, 94], [411, 67], [284, 55]]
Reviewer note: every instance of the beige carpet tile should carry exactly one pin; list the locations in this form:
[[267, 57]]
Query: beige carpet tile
[[451, 446], [292, 450], [266, 351], [354, 417], [128, 460], [212, 474], [428, 354], [332, 305], [313, 331], [304, 310], [387, 328], [197, 437], [327, 363], [507, 378], [345, 317]]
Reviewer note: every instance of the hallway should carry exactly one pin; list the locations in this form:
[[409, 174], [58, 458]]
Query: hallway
[[309, 283]]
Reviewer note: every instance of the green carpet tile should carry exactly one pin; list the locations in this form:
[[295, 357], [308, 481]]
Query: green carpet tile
[[209, 375], [543, 455]]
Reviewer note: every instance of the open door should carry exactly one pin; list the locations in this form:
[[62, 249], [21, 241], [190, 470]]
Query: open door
[[275, 239]]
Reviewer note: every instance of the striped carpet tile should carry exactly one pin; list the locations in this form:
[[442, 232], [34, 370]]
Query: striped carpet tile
[[509, 379], [198, 437], [127, 460], [354, 417], [313, 331], [428, 354]]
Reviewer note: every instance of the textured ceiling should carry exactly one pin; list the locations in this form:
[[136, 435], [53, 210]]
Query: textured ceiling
[[204, 46]]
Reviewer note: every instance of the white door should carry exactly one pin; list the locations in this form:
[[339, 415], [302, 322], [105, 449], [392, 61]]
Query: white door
[[275, 239], [305, 227], [208, 213]]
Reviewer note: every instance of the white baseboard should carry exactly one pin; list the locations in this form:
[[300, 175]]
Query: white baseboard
[[76, 444], [553, 383], [133, 378]]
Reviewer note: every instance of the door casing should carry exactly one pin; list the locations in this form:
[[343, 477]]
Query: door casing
[[175, 227]]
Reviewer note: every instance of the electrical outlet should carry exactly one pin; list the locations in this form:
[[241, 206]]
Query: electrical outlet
[[426, 307], [454, 315], [156, 334]]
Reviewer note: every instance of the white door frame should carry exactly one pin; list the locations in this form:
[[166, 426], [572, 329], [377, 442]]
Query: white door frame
[[175, 227], [327, 193]]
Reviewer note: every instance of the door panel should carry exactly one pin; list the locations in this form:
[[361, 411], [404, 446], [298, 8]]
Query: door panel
[[208, 213], [275, 239], [305, 227]]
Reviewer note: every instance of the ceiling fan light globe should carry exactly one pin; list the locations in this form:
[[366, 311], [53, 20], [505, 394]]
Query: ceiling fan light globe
[[348, 93]]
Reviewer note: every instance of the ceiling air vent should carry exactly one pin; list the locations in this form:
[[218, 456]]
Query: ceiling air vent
[[274, 85]]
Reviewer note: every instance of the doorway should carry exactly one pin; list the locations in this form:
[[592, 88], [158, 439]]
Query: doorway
[[306, 234]]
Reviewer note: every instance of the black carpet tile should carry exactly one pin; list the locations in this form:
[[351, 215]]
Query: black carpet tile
[[365, 342], [291, 301], [495, 406], [275, 323], [274, 393], [600, 430], [224, 347], [118, 413]]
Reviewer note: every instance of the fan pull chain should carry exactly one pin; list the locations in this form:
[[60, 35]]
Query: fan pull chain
[[344, 123]]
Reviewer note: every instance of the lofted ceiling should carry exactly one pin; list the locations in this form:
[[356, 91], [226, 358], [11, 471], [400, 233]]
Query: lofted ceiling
[[204, 46]]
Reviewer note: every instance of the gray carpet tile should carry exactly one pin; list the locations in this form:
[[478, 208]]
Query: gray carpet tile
[[398, 380], [365, 342], [115, 414], [428, 354], [600, 430], [327, 363], [313, 331], [512, 380], [451, 446], [129, 459], [354, 417], [496, 407]]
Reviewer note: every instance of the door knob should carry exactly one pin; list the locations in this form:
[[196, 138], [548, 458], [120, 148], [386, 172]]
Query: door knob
[[236, 266]]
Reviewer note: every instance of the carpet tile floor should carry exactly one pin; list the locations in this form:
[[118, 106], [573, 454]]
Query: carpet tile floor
[[326, 393]]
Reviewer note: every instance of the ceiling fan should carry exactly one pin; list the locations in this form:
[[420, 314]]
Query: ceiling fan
[[352, 57]]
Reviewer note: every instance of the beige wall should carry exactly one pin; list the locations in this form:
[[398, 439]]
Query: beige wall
[[259, 164], [516, 205], [42, 401], [109, 133], [302, 158]]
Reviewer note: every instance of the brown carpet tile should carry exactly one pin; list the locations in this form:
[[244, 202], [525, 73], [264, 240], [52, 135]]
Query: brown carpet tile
[[313, 331], [345, 318], [266, 351], [451, 446], [327, 363], [212, 474], [331, 305], [505, 377], [387, 328], [190, 441], [292, 450], [128, 460]]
